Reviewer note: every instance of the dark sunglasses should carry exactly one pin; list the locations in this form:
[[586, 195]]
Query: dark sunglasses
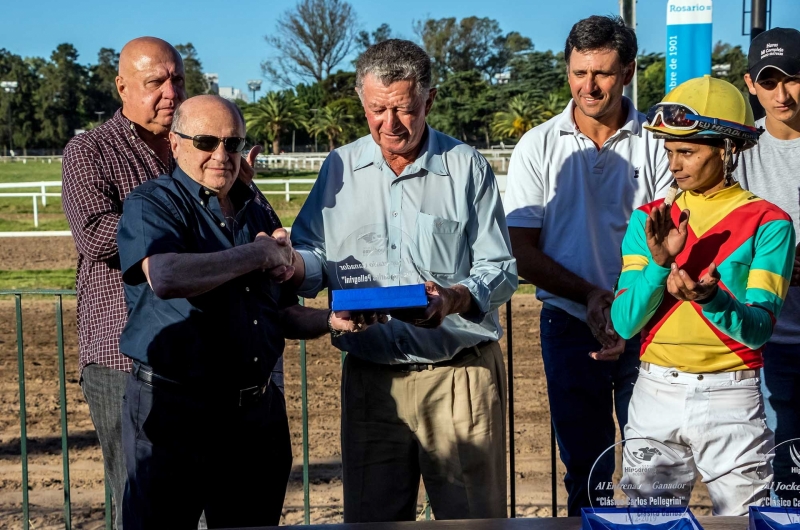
[[208, 143], [685, 118]]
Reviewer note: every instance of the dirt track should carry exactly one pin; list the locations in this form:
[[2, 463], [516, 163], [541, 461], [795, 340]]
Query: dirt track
[[531, 413]]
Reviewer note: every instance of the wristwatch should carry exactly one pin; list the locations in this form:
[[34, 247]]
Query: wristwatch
[[334, 332]]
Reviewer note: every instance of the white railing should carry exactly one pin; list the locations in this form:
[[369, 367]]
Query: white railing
[[42, 193], [42, 185], [287, 183], [295, 162], [47, 159]]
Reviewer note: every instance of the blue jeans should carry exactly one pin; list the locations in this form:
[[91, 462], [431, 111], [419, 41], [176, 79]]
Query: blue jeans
[[584, 394], [780, 385]]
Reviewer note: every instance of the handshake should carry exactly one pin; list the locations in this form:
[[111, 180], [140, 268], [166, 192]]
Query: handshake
[[278, 256]]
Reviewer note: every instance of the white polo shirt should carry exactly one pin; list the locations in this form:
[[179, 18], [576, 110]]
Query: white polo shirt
[[581, 197]]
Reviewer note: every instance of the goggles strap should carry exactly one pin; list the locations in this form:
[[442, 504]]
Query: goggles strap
[[731, 161]]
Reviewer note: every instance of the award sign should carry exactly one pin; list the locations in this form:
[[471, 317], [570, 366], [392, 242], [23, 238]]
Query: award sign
[[380, 260], [655, 481], [777, 482]]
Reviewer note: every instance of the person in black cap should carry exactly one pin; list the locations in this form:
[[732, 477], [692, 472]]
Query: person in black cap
[[770, 171]]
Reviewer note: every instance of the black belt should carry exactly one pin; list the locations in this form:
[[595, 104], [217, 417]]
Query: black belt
[[466, 353], [242, 397]]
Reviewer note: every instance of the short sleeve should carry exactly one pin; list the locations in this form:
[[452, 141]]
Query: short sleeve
[[149, 226], [525, 197]]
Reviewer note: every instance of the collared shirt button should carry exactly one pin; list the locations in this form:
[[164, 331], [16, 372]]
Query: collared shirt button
[[255, 322], [208, 192], [674, 374], [202, 203], [222, 225], [700, 377], [394, 246], [255, 359], [247, 289], [394, 214]]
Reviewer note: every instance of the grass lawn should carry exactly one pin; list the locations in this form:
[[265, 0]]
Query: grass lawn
[[16, 213], [39, 279]]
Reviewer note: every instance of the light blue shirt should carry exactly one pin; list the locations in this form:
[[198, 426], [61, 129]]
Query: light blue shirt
[[443, 212]]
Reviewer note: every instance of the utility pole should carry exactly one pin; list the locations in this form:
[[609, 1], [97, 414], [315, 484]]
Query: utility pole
[[758, 18], [758, 25], [627, 10], [9, 87]]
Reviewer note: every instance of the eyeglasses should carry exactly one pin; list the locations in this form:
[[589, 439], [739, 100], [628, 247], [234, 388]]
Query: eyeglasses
[[683, 118], [208, 143]]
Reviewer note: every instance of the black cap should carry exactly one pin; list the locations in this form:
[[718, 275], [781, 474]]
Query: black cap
[[777, 48]]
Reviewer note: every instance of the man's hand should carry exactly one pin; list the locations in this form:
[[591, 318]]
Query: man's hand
[[664, 239], [682, 287], [277, 254], [442, 301], [610, 353], [598, 316], [247, 167], [356, 321]]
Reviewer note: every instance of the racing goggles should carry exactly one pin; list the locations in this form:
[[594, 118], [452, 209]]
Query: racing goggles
[[683, 118], [209, 144]]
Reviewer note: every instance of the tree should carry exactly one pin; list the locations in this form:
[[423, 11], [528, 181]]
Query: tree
[[734, 61], [102, 92], [194, 80], [471, 44], [364, 39], [517, 120], [330, 121], [272, 115], [651, 84], [464, 106], [311, 40], [22, 111], [549, 108], [60, 97]]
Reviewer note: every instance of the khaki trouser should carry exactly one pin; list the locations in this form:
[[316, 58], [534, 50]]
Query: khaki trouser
[[447, 424]]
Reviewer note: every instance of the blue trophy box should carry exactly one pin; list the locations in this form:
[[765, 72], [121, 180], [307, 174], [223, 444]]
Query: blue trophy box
[[774, 518], [382, 299], [638, 519]]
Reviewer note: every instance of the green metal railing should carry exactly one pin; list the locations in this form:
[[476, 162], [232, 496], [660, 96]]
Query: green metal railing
[[59, 294]]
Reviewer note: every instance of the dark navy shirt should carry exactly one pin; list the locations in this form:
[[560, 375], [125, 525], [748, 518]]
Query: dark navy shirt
[[227, 337]]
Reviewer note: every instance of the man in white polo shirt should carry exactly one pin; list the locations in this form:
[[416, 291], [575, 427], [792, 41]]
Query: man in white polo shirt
[[573, 183]]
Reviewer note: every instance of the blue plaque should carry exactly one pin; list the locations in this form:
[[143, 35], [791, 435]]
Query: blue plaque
[[381, 299]]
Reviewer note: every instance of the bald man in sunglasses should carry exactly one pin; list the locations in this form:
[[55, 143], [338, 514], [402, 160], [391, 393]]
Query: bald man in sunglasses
[[204, 428]]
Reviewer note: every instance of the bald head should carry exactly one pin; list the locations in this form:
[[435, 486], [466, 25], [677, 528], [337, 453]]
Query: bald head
[[150, 82], [211, 116], [206, 108], [136, 54]]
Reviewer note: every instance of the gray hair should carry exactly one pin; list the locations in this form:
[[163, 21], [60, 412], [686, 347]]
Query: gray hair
[[395, 60]]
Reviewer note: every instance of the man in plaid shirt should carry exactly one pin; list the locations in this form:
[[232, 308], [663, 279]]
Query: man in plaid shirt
[[101, 167]]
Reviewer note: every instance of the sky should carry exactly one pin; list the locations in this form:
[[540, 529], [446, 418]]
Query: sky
[[229, 36]]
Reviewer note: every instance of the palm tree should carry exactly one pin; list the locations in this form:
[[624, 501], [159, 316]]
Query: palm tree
[[272, 115], [517, 120], [549, 108], [331, 121]]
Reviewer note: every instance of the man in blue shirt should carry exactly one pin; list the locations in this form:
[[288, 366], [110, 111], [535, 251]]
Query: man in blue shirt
[[204, 429], [425, 394]]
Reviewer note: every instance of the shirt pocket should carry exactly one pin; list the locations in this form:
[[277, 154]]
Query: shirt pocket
[[438, 243]]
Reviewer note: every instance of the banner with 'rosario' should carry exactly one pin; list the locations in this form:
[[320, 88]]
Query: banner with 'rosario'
[[688, 52]]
